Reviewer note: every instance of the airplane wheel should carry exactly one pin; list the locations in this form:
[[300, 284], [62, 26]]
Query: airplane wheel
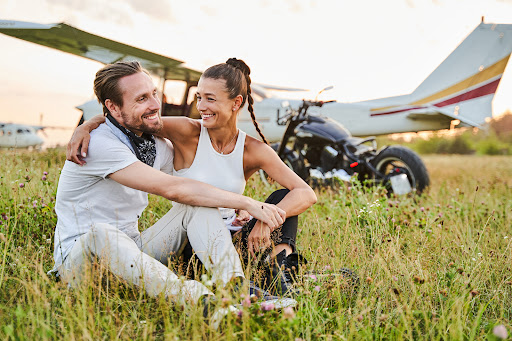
[[406, 161]]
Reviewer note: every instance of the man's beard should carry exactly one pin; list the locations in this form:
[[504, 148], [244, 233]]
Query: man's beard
[[142, 127]]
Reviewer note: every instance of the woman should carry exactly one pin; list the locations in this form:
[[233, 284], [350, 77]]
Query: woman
[[215, 151]]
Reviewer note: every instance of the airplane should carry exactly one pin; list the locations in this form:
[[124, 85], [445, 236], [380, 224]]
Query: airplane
[[20, 135], [459, 92]]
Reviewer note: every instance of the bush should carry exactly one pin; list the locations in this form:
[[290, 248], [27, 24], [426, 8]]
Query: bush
[[461, 144], [492, 146], [438, 144], [502, 126]]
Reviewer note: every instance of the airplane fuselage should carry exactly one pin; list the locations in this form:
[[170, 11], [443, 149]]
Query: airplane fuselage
[[356, 117], [18, 136]]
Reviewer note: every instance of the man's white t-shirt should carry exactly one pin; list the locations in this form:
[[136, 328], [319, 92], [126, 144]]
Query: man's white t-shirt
[[86, 196]]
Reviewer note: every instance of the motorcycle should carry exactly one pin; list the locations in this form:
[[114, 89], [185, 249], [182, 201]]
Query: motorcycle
[[322, 152]]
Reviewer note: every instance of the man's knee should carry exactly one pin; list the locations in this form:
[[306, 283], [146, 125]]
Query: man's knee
[[211, 211], [204, 214], [100, 235], [101, 231]]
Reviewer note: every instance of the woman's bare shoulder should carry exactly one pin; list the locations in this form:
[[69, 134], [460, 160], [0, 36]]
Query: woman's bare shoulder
[[177, 127], [256, 148]]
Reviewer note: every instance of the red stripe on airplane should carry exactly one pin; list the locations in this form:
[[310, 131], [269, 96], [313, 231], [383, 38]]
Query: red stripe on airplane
[[484, 90], [487, 89], [396, 111]]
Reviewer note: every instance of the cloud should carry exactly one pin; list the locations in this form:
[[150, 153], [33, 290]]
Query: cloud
[[157, 9], [97, 9], [209, 10], [410, 3], [294, 6], [114, 11]]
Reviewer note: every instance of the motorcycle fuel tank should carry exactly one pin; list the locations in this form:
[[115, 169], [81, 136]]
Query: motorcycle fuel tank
[[322, 128]]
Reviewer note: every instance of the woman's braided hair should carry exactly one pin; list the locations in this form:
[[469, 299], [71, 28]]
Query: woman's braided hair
[[238, 82]]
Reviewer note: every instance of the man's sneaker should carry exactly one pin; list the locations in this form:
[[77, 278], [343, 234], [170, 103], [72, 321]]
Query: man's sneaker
[[213, 314], [260, 293], [280, 302], [219, 315], [264, 297]]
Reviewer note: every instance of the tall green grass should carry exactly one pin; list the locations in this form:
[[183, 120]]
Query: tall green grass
[[435, 267]]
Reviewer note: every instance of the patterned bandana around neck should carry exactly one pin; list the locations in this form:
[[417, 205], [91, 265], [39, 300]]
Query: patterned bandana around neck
[[144, 146]]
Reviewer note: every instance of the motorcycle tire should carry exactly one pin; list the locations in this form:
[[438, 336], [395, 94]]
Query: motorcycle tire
[[288, 161], [402, 157]]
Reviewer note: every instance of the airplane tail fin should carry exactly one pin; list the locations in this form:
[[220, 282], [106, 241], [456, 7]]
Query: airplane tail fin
[[463, 85], [466, 81]]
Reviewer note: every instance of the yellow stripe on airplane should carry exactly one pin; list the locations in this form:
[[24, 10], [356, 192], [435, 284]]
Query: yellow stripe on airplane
[[482, 76]]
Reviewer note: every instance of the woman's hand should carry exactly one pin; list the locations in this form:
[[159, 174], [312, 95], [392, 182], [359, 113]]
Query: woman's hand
[[270, 214], [259, 238], [79, 142], [242, 218]]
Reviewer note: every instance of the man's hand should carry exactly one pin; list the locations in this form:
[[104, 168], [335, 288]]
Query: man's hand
[[269, 214], [259, 238], [79, 143], [242, 218]]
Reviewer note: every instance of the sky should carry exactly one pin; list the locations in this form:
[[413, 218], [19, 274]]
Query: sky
[[366, 49]]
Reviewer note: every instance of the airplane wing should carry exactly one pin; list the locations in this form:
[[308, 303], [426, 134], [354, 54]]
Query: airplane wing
[[37, 128], [69, 39], [432, 112], [279, 88]]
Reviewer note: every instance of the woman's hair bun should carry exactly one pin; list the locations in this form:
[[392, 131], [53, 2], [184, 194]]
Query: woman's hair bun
[[239, 64]]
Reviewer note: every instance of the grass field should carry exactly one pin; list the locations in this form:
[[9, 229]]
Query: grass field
[[437, 267]]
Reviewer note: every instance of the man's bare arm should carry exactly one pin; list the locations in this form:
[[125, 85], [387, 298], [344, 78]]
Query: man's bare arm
[[186, 191]]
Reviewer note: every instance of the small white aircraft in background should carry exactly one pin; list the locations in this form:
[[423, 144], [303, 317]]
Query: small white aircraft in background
[[14, 135], [459, 91]]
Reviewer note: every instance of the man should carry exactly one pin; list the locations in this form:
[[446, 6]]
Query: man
[[99, 202]]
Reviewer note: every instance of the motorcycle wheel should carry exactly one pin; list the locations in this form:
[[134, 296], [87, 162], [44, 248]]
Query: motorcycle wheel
[[406, 160], [288, 161]]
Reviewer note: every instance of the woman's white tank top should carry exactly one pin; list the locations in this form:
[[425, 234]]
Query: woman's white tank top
[[224, 171]]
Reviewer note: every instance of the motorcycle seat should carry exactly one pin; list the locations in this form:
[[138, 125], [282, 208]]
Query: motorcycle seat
[[357, 145], [356, 141]]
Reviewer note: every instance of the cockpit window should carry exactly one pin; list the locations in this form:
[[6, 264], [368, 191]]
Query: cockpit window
[[20, 131]]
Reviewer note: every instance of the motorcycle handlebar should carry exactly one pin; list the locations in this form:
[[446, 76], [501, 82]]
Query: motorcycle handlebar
[[315, 103], [281, 120]]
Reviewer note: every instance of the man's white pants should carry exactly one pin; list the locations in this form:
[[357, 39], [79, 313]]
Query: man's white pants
[[143, 261]]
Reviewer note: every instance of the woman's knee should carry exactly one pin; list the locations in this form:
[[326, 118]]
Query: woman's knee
[[277, 196]]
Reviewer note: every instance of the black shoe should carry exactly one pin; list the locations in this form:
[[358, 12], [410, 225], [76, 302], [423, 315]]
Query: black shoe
[[283, 273]]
